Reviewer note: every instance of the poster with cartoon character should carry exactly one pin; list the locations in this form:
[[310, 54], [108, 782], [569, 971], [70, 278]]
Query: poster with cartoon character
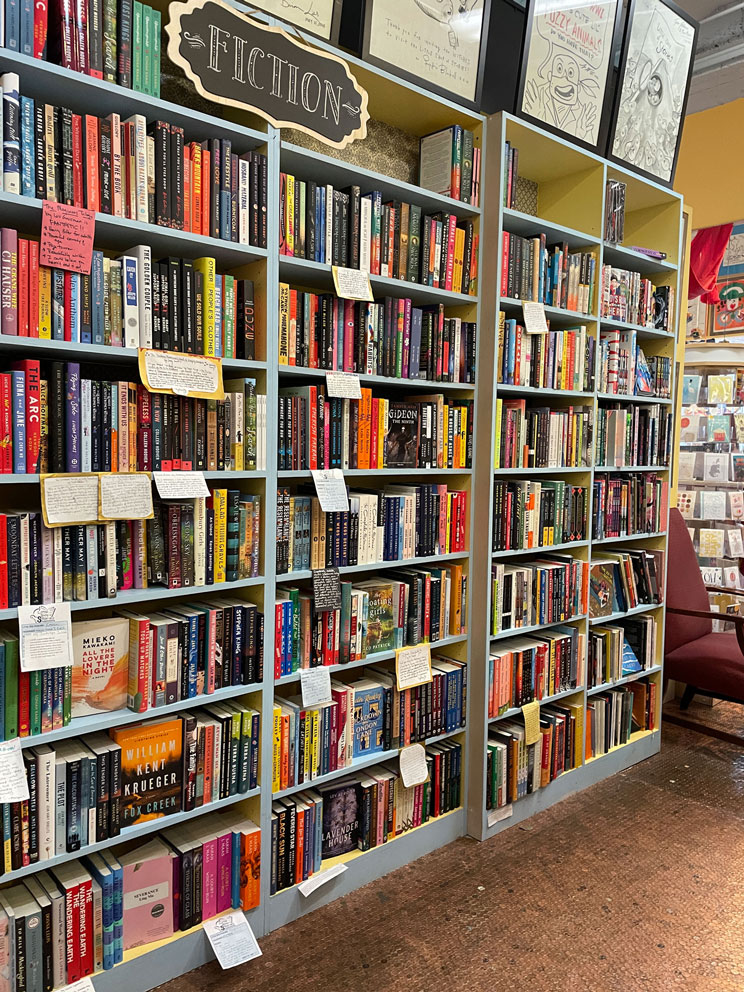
[[568, 52], [657, 62], [728, 314]]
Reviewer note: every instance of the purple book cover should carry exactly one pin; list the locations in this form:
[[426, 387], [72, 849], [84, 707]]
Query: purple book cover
[[9, 280], [19, 422], [406, 337], [415, 345], [47, 565], [72, 389]]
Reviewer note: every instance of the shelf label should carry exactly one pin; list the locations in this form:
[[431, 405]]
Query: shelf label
[[69, 499], [66, 237], [502, 813], [534, 317], [81, 985], [45, 636], [326, 589], [413, 666], [126, 496], [308, 887], [232, 939], [531, 714], [352, 284], [182, 375], [13, 781], [413, 768], [181, 485], [316, 686], [345, 385], [331, 490]]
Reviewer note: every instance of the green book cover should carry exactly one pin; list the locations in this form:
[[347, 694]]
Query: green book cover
[[11, 686], [146, 49], [229, 310], [67, 701], [109, 41], [35, 682], [156, 18], [137, 46]]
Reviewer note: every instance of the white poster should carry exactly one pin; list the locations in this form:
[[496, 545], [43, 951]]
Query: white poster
[[315, 16], [649, 113], [567, 62]]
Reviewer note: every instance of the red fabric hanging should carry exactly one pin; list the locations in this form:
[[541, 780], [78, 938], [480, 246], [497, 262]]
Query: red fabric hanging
[[706, 255]]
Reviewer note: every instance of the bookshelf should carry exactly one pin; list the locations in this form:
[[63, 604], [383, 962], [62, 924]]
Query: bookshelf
[[570, 208]]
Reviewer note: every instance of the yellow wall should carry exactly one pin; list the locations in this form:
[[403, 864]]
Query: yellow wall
[[709, 169]]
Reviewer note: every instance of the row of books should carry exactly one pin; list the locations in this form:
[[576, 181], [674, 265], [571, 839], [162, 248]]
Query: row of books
[[368, 716], [624, 505], [409, 606], [537, 514], [556, 360], [359, 812], [391, 337], [396, 240], [318, 431], [634, 435], [618, 651], [515, 769], [622, 580], [510, 175], [614, 715], [143, 172], [54, 419], [523, 669], [541, 437], [625, 370], [450, 164], [628, 297], [545, 590], [182, 545], [118, 42], [550, 274], [394, 524]]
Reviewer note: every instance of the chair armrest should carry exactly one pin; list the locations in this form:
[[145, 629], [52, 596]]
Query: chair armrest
[[731, 592], [736, 619]]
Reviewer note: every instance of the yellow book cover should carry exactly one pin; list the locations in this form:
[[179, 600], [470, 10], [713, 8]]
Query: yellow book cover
[[382, 419], [211, 322], [151, 770], [44, 427], [458, 259], [291, 532], [45, 302], [449, 522], [314, 761], [219, 504], [578, 712], [500, 354], [237, 430], [100, 669], [283, 323]]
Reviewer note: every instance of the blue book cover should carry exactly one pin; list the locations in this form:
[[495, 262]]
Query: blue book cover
[[10, 85], [630, 661], [104, 876], [118, 873], [27, 27], [97, 298], [28, 159], [369, 717], [74, 307], [72, 417], [19, 422], [12, 25], [235, 870], [58, 304]]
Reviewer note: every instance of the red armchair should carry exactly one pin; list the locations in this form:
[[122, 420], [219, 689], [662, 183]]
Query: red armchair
[[711, 664]]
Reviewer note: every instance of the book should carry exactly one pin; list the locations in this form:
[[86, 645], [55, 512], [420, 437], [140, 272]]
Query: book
[[101, 666], [148, 899], [151, 770]]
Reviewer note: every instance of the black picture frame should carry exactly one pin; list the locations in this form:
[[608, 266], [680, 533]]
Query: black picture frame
[[283, 20], [644, 125], [398, 70], [603, 105]]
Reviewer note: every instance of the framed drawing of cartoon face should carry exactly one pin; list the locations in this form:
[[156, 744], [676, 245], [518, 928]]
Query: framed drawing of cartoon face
[[439, 44], [566, 63], [655, 70]]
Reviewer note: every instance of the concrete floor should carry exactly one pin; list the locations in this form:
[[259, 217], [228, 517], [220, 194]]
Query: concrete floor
[[635, 885]]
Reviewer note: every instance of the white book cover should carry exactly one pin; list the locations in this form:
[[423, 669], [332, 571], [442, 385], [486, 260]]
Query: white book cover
[[10, 84], [26, 561], [130, 301], [329, 225], [57, 538], [143, 256], [140, 167], [365, 233], [60, 804], [200, 541], [111, 558], [244, 211]]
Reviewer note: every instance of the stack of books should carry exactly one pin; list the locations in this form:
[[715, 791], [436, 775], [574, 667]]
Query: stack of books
[[449, 164], [541, 591], [537, 514], [614, 715], [626, 296], [624, 369]]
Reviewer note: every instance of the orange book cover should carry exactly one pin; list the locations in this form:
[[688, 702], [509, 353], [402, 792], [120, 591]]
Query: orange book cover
[[250, 866], [151, 770], [365, 428], [100, 670]]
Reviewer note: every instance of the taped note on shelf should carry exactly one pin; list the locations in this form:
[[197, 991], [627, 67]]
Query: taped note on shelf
[[502, 813], [413, 769], [81, 985], [413, 666], [352, 284], [534, 317], [316, 686], [331, 490], [126, 496], [181, 485], [345, 385], [326, 589], [66, 237], [45, 636], [13, 781], [183, 375], [308, 887], [531, 714], [69, 499], [232, 939]]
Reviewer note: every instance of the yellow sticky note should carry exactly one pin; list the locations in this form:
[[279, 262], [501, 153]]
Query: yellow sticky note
[[531, 714]]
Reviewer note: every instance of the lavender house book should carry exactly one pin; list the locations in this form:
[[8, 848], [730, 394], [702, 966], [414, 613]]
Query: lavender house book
[[341, 802]]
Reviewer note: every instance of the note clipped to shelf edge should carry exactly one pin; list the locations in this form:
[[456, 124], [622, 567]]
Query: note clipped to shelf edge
[[531, 714], [66, 237], [69, 499], [81, 985], [344, 385], [413, 666], [125, 496], [534, 317], [13, 781], [316, 686], [331, 489], [413, 768], [45, 637], [497, 815], [309, 886], [182, 375], [232, 939], [181, 485], [352, 284]]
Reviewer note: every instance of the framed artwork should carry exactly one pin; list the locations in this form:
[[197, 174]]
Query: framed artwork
[[318, 17], [566, 63], [439, 44], [655, 69]]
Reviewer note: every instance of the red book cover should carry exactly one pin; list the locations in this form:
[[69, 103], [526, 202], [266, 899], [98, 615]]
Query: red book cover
[[22, 287], [33, 289], [206, 174], [80, 39], [92, 170], [24, 704], [32, 370], [41, 17], [6, 424], [196, 188], [86, 927], [78, 189], [313, 336]]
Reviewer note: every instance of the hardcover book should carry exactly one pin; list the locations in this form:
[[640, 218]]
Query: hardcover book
[[601, 588], [341, 805], [101, 666], [151, 770], [368, 717], [148, 899]]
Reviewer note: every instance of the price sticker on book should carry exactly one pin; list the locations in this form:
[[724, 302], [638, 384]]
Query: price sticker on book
[[181, 485], [316, 686], [125, 496], [69, 499], [232, 939], [345, 385], [352, 284], [44, 636], [182, 375], [331, 489], [413, 666], [531, 714], [13, 781], [534, 317], [413, 767], [326, 589]]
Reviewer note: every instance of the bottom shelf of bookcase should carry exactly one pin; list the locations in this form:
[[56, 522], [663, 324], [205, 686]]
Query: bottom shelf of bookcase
[[366, 866]]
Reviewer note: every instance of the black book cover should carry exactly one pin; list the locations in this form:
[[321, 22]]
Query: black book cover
[[234, 177], [67, 185], [212, 187], [176, 176], [104, 160], [188, 306], [160, 133], [39, 155], [124, 44], [198, 290]]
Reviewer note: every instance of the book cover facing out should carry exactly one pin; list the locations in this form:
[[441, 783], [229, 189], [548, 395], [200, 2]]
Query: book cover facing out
[[368, 719], [340, 817], [151, 770], [380, 624], [100, 669], [148, 900], [401, 440], [601, 589]]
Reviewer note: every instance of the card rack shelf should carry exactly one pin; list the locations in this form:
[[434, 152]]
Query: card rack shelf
[[570, 208]]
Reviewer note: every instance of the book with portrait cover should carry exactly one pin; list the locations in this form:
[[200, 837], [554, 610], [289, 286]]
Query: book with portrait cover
[[341, 805], [151, 769], [100, 667]]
